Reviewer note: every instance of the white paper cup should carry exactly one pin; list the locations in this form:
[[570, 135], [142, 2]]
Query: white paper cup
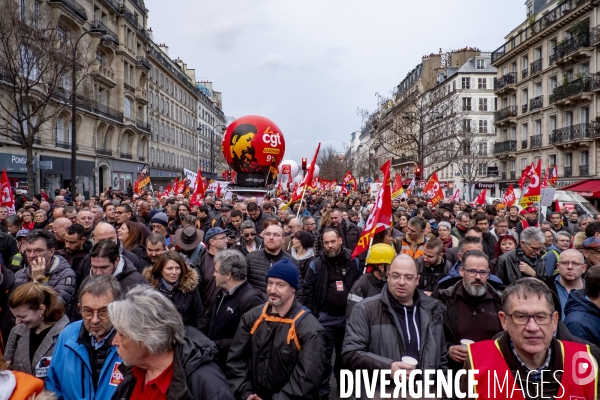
[[466, 342], [410, 361]]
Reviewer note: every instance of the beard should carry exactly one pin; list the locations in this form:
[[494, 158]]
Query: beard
[[332, 253], [275, 303], [475, 291]]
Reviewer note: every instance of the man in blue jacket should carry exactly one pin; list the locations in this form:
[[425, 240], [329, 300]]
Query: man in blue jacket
[[583, 308], [85, 363]]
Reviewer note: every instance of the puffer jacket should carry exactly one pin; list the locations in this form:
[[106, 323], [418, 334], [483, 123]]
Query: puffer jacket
[[267, 364], [366, 286], [185, 296], [508, 266], [259, 264], [374, 338], [7, 320], [195, 375], [17, 349], [583, 317], [60, 277], [317, 278]]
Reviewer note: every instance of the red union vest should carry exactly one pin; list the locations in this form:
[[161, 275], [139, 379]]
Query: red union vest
[[486, 356]]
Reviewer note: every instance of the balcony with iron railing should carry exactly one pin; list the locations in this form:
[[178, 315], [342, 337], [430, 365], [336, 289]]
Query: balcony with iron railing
[[535, 67], [595, 36], [73, 6], [99, 26], [144, 126], [505, 147], [534, 28], [569, 47], [506, 80], [104, 152], [63, 145], [513, 175], [536, 103], [89, 105], [143, 62], [127, 156], [131, 17], [568, 171], [524, 108], [535, 141], [524, 73], [114, 5], [577, 86], [571, 133], [523, 144], [506, 112], [584, 170]]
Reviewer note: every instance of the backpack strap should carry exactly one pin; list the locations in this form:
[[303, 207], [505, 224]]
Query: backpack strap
[[293, 322]]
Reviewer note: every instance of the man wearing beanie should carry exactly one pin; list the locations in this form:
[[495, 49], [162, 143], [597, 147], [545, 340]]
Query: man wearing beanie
[[279, 349], [327, 284], [159, 223]]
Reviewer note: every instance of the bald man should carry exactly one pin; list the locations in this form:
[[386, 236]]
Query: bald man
[[571, 268], [44, 205], [59, 228], [57, 212]]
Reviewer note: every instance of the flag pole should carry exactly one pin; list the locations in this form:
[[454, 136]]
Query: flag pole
[[301, 200]]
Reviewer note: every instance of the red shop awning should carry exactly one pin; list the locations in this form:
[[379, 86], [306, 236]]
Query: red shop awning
[[589, 188]]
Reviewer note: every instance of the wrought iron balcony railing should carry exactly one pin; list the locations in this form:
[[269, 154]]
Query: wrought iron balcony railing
[[103, 152], [506, 112], [524, 108], [572, 44], [536, 66], [523, 144], [505, 80], [568, 171], [126, 155], [583, 84], [584, 170], [74, 7], [535, 141], [505, 147], [536, 102], [100, 27], [524, 73], [571, 133]]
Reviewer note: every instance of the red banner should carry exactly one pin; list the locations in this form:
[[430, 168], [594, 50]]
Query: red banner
[[381, 214], [434, 190], [533, 192], [509, 197], [8, 199], [198, 194], [299, 191], [480, 200]]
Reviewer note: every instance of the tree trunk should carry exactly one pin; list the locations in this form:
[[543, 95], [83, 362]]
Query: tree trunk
[[30, 171]]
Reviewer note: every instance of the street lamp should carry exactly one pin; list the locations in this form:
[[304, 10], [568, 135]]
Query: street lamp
[[222, 129], [106, 41]]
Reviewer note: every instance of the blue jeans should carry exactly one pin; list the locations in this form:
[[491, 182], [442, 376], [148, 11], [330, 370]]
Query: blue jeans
[[335, 328]]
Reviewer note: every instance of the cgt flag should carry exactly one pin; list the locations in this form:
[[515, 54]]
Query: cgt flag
[[480, 200], [533, 192], [381, 214], [142, 181], [308, 178], [397, 190], [434, 190], [509, 198], [7, 199], [456, 196]]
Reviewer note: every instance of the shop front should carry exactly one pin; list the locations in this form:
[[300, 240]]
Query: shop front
[[586, 188], [490, 186], [16, 169], [55, 173], [160, 178], [124, 174]]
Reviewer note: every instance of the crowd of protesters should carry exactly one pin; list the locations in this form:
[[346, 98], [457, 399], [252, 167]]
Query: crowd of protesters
[[128, 297]]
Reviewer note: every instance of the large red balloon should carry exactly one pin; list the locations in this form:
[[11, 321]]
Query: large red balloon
[[253, 144]]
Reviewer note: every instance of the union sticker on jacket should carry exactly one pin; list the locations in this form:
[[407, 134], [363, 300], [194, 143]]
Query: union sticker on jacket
[[339, 285], [116, 376], [42, 367]]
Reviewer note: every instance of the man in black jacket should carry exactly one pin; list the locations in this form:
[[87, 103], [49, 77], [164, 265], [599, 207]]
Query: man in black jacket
[[182, 355], [257, 216], [7, 320], [8, 248], [488, 240], [204, 263], [76, 247], [235, 297], [259, 261], [472, 307], [278, 351], [349, 232], [326, 287], [432, 266]]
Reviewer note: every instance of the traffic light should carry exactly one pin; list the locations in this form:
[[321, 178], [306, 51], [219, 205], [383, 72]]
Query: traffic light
[[418, 172], [304, 164]]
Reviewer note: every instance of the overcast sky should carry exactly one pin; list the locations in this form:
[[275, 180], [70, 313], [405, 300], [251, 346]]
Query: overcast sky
[[308, 65]]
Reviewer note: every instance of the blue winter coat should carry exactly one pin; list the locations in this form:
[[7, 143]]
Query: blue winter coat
[[583, 317], [70, 374]]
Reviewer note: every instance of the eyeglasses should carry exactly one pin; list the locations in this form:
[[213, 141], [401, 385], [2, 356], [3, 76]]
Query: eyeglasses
[[573, 263], [249, 234], [473, 272], [523, 319], [311, 224], [89, 314], [398, 277], [536, 249]]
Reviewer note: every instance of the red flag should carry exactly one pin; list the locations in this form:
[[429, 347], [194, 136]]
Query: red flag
[[509, 197], [299, 191], [380, 218], [198, 194], [8, 199], [397, 190], [456, 196], [557, 206], [533, 192], [167, 190], [181, 186], [174, 190], [218, 190], [545, 182], [554, 177], [434, 190], [480, 200], [377, 180], [525, 175]]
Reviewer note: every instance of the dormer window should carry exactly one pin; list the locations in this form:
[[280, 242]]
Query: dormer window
[[480, 63]]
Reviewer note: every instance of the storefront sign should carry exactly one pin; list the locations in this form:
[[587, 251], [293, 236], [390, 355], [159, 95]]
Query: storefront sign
[[13, 162], [45, 164], [485, 185]]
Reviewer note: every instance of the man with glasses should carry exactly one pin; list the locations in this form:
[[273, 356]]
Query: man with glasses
[[260, 261], [462, 225], [525, 260], [85, 363], [45, 267], [561, 242], [472, 307], [528, 347], [398, 322], [569, 277], [501, 228], [249, 240]]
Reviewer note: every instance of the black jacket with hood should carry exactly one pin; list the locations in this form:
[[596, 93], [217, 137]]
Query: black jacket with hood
[[185, 296], [195, 375]]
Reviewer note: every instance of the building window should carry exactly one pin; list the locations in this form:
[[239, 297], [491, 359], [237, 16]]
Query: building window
[[482, 170], [524, 132], [551, 160], [480, 63], [466, 83], [127, 108], [584, 157], [466, 104], [483, 126], [483, 104], [524, 163], [483, 149], [568, 159], [481, 83], [538, 127]]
